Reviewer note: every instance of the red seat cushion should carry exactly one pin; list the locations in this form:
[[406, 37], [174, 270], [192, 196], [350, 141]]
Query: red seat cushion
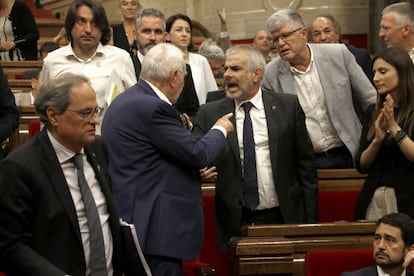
[[210, 252], [34, 127], [334, 262], [336, 205]]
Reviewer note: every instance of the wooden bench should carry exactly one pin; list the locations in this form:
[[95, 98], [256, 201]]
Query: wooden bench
[[340, 179], [16, 69], [21, 134], [281, 249]]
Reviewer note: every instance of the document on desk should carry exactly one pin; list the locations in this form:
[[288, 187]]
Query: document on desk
[[135, 252]]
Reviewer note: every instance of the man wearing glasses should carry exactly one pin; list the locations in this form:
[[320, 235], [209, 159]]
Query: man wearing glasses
[[326, 78], [53, 221]]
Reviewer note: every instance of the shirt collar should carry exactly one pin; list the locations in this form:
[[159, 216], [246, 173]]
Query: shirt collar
[[159, 93], [68, 51], [312, 60], [382, 273], [256, 100], [63, 154]]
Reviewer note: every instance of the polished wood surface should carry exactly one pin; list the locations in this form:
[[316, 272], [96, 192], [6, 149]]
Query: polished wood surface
[[281, 249]]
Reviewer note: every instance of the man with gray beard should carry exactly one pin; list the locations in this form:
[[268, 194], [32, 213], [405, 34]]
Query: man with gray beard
[[275, 181]]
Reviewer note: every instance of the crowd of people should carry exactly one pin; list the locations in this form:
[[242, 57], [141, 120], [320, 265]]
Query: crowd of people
[[317, 104]]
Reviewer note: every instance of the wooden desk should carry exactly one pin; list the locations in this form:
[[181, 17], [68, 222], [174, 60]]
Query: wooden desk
[[21, 134], [15, 69], [340, 179], [281, 249]]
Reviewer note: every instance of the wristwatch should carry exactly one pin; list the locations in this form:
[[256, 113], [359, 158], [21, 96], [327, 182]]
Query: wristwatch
[[399, 136]]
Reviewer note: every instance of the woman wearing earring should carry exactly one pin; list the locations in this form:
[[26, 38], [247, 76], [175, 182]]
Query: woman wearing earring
[[386, 151]]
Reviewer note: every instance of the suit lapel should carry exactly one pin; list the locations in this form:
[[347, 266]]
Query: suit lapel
[[273, 119], [58, 180], [287, 82], [227, 107], [324, 69]]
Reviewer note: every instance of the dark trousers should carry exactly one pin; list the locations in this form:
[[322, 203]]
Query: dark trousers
[[258, 217], [164, 266], [336, 158]]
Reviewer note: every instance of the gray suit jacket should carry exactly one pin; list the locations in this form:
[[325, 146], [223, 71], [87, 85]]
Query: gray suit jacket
[[342, 80]]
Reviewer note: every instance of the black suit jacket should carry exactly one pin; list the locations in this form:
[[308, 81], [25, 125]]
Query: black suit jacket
[[368, 271], [39, 230], [9, 114], [292, 161]]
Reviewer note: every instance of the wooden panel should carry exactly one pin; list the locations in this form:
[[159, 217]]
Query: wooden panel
[[282, 248], [289, 230]]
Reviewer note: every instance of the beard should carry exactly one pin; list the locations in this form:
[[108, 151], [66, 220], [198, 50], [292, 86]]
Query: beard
[[388, 264]]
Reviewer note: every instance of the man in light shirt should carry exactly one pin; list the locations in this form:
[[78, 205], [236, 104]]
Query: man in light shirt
[[328, 82], [88, 54]]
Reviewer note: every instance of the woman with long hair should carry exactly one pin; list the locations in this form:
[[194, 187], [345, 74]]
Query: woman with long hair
[[200, 79], [386, 150]]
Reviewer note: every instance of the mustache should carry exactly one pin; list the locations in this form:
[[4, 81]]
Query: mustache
[[382, 253]]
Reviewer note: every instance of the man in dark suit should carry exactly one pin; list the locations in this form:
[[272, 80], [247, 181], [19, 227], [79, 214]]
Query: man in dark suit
[[287, 183], [44, 221], [150, 30], [9, 114], [325, 29], [154, 162], [393, 245]]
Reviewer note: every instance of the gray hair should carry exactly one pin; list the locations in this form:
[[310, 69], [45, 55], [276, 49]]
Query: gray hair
[[255, 58], [148, 12], [404, 12], [211, 51], [56, 93], [160, 61], [281, 17]]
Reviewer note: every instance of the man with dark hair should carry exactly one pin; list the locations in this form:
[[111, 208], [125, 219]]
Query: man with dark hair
[[109, 68], [393, 239], [57, 216]]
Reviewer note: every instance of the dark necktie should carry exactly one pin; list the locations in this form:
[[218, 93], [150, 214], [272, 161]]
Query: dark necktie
[[251, 194], [97, 260]]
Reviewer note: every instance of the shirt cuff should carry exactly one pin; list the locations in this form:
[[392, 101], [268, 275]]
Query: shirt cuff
[[222, 129]]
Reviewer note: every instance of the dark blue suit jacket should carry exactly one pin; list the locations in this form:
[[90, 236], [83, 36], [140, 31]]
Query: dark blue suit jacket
[[154, 165]]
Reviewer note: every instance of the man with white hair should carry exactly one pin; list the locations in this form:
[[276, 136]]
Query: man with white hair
[[154, 162]]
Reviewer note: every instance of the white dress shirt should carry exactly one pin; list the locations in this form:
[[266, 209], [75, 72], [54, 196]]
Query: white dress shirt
[[312, 99], [267, 191], [64, 156]]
